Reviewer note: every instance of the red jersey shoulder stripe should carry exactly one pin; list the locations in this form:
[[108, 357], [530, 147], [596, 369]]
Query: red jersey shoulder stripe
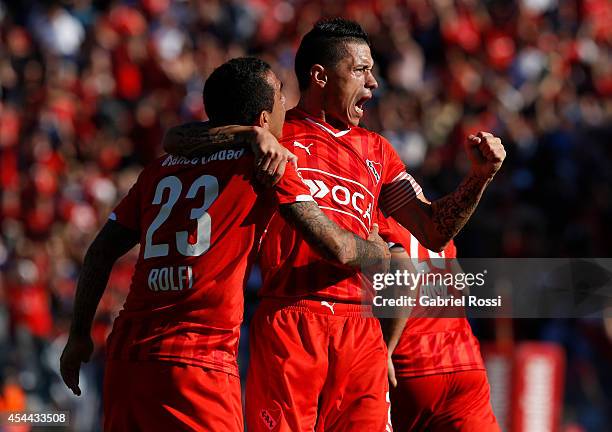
[[399, 192]]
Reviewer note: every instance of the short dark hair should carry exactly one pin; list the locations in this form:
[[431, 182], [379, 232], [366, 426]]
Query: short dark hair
[[325, 44], [238, 91]]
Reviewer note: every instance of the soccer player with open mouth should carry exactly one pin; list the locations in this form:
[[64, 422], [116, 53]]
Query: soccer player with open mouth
[[316, 367], [171, 359]]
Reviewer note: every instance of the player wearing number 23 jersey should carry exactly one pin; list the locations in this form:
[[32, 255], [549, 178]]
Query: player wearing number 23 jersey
[[172, 352], [185, 304], [198, 220], [175, 342]]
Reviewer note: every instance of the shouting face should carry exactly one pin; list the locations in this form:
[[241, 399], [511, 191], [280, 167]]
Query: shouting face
[[349, 84]]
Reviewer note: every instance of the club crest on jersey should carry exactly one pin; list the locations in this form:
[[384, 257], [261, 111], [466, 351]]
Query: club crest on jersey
[[303, 147], [270, 417], [374, 168]]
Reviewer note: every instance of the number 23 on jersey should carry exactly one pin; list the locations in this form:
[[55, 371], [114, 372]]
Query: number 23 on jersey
[[175, 187]]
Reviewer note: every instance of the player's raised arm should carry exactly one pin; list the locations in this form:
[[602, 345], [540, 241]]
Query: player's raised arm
[[198, 138], [333, 242], [435, 223], [112, 242]]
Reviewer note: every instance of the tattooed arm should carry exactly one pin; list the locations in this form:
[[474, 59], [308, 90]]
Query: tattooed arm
[[112, 242], [333, 242], [434, 224], [198, 138]]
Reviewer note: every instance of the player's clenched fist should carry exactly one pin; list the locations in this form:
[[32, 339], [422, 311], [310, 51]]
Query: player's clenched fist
[[486, 153]]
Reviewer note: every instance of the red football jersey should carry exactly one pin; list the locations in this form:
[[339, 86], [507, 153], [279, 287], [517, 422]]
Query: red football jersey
[[347, 172], [431, 345], [198, 220]]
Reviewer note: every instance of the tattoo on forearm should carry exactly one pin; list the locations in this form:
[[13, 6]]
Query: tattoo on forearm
[[328, 238], [195, 139], [451, 212], [366, 253]]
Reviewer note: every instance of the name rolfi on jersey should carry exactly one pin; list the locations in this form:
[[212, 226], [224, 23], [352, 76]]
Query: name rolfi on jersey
[[170, 278], [221, 155]]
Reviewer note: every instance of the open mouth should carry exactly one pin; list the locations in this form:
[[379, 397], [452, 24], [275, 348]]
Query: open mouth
[[360, 103]]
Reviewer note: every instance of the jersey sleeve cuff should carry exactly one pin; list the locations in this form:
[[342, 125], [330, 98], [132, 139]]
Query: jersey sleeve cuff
[[400, 192]]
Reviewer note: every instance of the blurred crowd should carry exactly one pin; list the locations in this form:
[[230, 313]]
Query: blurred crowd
[[87, 88]]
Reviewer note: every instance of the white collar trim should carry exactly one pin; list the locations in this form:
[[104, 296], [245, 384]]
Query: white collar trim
[[328, 130]]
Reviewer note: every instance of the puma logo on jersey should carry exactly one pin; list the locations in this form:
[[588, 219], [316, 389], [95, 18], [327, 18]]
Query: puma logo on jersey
[[302, 146], [330, 306], [372, 166]]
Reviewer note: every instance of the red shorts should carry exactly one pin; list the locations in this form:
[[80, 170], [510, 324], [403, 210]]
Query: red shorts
[[160, 396], [454, 401], [316, 367]]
